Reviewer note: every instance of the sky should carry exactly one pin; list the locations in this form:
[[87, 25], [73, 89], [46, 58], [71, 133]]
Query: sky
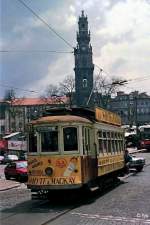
[[120, 37]]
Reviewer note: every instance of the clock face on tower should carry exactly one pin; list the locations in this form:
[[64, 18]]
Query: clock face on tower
[[83, 48]]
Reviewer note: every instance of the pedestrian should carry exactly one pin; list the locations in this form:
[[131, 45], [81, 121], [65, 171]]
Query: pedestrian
[[128, 159]]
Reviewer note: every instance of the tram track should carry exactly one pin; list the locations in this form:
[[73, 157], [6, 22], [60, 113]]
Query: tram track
[[92, 198], [9, 210], [86, 199], [51, 210], [58, 216]]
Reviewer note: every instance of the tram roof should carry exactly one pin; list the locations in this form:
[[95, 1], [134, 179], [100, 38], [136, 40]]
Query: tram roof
[[96, 114], [61, 118], [79, 114]]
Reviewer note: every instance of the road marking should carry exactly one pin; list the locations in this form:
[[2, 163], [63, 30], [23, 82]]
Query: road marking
[[112, 218]]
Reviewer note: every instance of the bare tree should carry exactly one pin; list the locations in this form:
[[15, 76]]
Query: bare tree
[[105, 88], [52, 90], [9, 95], [51, 93], [57, 92], [67, 87]]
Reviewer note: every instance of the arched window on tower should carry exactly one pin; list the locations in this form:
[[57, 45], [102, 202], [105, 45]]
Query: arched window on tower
[[84, 83]]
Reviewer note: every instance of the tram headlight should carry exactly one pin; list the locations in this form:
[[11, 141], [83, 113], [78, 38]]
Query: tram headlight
[[49, 171]]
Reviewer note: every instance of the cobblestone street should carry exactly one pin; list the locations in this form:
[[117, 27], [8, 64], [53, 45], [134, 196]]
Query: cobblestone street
[[128, 203], [12, 197]]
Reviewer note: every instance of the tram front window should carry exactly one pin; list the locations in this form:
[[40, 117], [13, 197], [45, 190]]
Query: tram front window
[[49, 141], [32, 142], [70, 139]]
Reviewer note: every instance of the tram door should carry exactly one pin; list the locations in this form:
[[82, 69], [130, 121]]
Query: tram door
[[90, 163]]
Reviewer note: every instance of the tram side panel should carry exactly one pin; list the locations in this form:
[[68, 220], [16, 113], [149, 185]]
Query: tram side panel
[[110, 149], [108, 164]]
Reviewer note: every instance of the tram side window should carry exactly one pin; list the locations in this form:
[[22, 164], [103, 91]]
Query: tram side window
[[83, 139], [116, 141], [100, 141], [113, 142], [32, 142], [105, 144], [86, 139], [70, 139], [120, 142], [109, 141], [49, 141]]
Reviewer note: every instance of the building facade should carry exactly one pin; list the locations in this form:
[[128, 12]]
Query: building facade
[[83, 64], [4, 105], [17, 113], [134, 108]]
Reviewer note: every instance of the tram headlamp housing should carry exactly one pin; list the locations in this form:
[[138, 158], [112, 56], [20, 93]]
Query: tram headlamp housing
[[49, 171]]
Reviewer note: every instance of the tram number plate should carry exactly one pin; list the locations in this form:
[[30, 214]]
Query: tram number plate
[[51, 181]]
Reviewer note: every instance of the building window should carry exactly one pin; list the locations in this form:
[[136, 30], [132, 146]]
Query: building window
[[2, 129], [84, 83], [20, 125], [13, 125]]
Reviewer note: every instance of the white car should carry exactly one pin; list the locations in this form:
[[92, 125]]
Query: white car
[[137, 163], [1, 158], [9, 158]]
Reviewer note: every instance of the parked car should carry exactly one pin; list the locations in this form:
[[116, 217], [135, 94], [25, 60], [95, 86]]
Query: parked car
[[137, 163], [17, 170], [23, 156], [9, 158], [1, 159]]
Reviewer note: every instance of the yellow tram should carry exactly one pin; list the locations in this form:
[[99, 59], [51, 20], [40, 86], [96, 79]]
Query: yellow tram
[[74, 148]]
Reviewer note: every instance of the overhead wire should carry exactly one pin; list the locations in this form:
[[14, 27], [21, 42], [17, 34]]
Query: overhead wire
[[140, 78], [52, 29], [35, 51], [44, 22], [143, 78], [12, 87], [121, 82]]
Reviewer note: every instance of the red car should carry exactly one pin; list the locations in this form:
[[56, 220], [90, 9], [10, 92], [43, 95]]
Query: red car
[[17, 170]]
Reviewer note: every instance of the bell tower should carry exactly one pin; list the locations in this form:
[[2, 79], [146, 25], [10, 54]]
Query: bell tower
[[83, 64]]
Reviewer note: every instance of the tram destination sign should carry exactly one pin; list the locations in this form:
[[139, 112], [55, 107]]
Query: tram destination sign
[[103, 115]]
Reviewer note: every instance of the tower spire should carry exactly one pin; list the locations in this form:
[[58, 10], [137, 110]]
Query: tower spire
[[83, 62]]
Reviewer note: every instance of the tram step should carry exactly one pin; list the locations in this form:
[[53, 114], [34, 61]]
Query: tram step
[[94, 188]]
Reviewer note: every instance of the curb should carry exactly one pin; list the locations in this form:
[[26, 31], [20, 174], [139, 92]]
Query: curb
[[132, 173], [7, 186], [5, 189], [126, 176]]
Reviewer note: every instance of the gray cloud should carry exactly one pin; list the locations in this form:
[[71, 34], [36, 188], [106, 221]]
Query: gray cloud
[[119, 37]]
